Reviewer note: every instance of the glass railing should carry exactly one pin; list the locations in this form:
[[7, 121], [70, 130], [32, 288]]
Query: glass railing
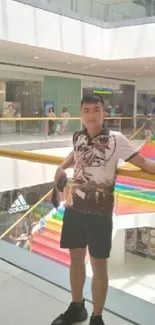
[[97, 11], [38, 231], [30, 235], [29, 130], [19, 226]]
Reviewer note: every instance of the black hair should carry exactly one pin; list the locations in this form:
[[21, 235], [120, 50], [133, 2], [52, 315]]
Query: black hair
[[91, 99], [51, 109]]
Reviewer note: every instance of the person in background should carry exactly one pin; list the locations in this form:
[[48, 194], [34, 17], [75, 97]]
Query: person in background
[[27, 225], [42, 224], [148, 127], [51, 123], [63, 129], [17, 114]]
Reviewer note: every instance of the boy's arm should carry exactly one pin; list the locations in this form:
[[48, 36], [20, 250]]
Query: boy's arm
[[67, 163], [145, 164], [126, 152]]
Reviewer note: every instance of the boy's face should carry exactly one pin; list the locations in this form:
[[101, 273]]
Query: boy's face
[[92, 114]]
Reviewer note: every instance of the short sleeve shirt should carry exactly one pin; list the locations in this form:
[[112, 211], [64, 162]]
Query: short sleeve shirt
[[148, 124], [95, 163]]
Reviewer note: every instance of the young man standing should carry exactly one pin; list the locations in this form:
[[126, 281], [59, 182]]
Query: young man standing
[[88, 221]]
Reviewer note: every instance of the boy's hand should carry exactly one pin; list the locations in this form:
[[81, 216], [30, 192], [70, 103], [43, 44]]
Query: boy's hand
[[58, 175]]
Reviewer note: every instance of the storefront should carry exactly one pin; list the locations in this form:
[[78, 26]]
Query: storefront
[[15, 203], [24, 94], [118, 98], [141, 241]]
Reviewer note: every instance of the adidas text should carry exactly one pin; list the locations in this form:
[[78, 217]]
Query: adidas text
[[19, 209]]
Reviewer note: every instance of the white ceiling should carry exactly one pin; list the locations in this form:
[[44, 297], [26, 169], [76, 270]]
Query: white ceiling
[[25, 55]]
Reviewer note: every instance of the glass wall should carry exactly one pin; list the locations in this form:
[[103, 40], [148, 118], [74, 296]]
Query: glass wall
[[64, 92], [109, 11], [20, 98], [33, 98], [146, 102]]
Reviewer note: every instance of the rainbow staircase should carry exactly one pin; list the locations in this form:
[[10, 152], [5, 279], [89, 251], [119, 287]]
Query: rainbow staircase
[[47, 243], [148, 149], [131, 200], [133, 193]]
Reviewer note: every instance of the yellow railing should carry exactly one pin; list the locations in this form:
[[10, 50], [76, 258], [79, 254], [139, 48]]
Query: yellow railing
[[69, 118], [46, 159]]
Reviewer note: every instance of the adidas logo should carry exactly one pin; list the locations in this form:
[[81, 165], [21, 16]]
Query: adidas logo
[[19, 205]]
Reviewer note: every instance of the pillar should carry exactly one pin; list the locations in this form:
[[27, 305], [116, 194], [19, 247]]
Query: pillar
[[2, 95], [135, 109], [118, 248]]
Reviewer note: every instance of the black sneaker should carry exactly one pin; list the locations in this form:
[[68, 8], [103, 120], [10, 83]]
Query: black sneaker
[[96, 320], [75, 313]]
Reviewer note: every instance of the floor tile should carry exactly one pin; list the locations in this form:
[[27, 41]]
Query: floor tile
[[46, 287], [4, 277], [21, 304], [9, 269]]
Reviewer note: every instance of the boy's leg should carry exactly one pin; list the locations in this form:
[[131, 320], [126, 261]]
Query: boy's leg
[[73, 237], [99, 284], [77, 273], [99, 242]]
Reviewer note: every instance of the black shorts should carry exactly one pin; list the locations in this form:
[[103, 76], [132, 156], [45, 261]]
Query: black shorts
[[84, 229]]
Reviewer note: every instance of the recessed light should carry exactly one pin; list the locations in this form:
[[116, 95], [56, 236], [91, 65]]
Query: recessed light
[[137, 74], [69, 62], [36, 57], [107, 69], [146, 67]]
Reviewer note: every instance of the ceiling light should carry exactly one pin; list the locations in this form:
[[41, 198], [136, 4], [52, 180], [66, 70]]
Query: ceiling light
[[36, 57], [146, 67], [69, 63], [137, 74], [107, 69]]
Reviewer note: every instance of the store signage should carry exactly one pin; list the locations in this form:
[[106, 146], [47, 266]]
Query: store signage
[[102, 90], [19, 205]]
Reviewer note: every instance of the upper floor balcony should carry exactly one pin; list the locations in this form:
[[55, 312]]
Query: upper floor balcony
[[99, 12]]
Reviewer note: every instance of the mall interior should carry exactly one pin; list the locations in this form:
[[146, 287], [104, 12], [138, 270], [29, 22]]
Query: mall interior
[[53, 52]]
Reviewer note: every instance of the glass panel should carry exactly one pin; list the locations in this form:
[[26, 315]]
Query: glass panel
[[111, 11], [36, 229], [19, 129]]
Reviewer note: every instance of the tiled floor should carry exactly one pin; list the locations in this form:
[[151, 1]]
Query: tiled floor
[[136, 277], [26, 299], [34, 141]]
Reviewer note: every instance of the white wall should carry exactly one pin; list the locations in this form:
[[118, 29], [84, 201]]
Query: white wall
[[118, 248], [32, 26], [17, 173], [145, 84]]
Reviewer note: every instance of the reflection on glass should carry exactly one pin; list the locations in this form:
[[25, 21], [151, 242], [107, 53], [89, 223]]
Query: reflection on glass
[[38, 230], [100, 10]]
